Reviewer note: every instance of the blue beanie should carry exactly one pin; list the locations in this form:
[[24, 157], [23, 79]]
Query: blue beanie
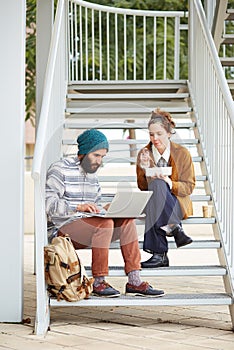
[[91, 140]]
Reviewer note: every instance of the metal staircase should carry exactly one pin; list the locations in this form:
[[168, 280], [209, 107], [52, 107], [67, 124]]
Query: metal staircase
[[116, 106], [104, 97]]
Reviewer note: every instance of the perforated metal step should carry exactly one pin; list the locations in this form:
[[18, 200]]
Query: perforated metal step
[[166, 300]]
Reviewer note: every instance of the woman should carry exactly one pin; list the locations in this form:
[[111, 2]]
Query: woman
[[170, 201]]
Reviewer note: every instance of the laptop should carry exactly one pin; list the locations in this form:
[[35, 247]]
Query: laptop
[[125, 204]]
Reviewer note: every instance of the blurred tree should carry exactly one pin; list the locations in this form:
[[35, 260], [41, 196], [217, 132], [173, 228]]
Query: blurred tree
[[30, 59]]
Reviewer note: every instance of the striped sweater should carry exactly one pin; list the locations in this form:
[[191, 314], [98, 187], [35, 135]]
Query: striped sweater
[[67, 185]]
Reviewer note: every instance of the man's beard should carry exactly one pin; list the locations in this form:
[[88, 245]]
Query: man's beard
[[88, 166]]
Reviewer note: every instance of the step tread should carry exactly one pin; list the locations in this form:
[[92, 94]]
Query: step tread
[[119, 125], [127, 178], [194, 197], [126, 96], [127, 84], [125, 159], [166, 300], [227, 39], [213, 270], [191, 221], [122, 110], [227, 61], [109, 159], [198, 244], [134, 141]]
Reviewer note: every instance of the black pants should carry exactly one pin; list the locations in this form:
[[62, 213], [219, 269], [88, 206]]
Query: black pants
[[163, 208]]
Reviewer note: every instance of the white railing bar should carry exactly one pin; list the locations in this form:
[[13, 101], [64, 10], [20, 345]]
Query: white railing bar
[[118, 10], [72, 43], [116, 46], [76, 47], [108, 45], [155, 48], [93, 47], [134, 47], [144, 47], [86, 45], [165, 50], [125, 47], [176, 48], [100, 44], [44, 115], [81, 45], [69, 12]]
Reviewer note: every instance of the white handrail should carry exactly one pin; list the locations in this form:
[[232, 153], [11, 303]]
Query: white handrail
[[214, 109], [122, 11], [47, 91]]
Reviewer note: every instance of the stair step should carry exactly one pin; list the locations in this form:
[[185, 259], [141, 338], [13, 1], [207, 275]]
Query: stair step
[[127, 96], [230, 14], [109, 159], [129, 85], [133, 178], [194, 197], [166, 300], [227, 61], [198, 244], [191, 220], [119, 125], [135, 112], [231, 83], [118, 271], [125, 159], [228, 39], [189, 141]]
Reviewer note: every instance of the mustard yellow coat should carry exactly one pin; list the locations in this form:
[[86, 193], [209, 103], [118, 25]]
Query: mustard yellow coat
[[182, 177]]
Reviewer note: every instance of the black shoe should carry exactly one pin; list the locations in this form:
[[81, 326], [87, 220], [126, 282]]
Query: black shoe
[[157, 260], [181, 239], [144, 289]]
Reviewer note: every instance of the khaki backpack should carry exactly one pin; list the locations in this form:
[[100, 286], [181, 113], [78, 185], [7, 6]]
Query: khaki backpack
[[65, 276]]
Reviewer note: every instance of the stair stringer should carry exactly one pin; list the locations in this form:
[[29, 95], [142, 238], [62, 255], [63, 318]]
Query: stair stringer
[[217, 231]]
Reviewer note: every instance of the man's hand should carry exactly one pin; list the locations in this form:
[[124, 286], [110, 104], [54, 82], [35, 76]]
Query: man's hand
[[88, 207], [106, 206]]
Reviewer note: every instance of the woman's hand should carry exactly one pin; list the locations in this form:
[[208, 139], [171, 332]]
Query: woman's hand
[[88, 207]]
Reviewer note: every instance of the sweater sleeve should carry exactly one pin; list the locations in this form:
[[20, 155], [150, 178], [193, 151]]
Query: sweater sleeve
[[185, 183], [55, 203]]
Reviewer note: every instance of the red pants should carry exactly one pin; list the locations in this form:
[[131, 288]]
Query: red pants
[[98, 233]]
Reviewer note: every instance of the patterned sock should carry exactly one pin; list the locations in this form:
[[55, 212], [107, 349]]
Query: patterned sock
[[98, 280], [134, 278]]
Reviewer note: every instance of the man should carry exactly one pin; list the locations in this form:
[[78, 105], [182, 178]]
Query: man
[[73, 191]]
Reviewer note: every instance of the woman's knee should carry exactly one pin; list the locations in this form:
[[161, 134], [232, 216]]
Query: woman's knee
[[157, 184]]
